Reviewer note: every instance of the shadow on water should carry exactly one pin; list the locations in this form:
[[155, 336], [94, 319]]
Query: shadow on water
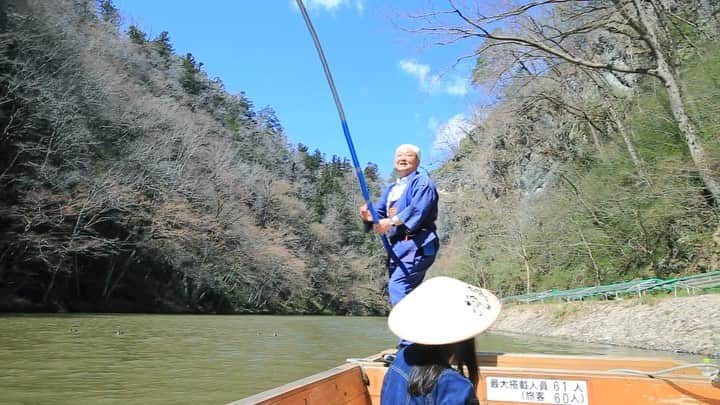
[[199, 359]]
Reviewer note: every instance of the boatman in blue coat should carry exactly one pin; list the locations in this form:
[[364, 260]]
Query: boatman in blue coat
[[407, 210]]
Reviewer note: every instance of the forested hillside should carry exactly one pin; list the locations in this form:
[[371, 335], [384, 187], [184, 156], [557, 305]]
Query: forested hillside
[[130, 181], [600, 159]]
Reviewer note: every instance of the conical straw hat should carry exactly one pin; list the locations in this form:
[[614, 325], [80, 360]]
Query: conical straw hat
[[443, 310]]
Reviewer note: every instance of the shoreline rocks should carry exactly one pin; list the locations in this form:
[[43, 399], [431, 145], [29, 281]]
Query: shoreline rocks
[[676, 324]]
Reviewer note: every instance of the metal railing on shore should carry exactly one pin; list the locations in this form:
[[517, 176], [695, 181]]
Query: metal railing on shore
[[691, 284]]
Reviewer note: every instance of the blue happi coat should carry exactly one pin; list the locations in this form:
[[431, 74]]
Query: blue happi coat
[[415, 242]]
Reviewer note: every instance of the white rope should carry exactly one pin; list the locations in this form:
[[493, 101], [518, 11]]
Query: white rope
[[666, 370]]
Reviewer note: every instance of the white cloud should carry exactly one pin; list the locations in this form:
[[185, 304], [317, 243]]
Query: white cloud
[[457, 88], [331, 5], [326, 4], [418, 70], [433, 83], [449, 134]]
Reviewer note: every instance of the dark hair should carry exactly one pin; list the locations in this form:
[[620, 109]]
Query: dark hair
[[429, 361]]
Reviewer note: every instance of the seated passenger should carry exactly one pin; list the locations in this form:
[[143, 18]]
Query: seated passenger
[[441, 317]]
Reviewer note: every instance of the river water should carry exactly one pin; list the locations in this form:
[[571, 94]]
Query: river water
[[196, 359]]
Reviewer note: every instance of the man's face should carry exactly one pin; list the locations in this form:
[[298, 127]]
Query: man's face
[[406, 161]]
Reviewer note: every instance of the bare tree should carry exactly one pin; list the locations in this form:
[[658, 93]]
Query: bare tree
[[646, 31]]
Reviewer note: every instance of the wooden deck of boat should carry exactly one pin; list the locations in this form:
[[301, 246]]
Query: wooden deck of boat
[[517, 378]]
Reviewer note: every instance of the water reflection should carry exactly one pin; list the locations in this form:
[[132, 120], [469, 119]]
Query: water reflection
[[158, 359]]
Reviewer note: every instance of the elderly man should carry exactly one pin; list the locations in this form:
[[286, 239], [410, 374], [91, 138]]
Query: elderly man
[[407, 209]]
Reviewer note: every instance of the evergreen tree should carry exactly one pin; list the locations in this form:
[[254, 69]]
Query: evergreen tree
[[268, 119], [108, 12], [313, 162], [163, 46], [329, 180], [317, 207], [348, 227], [190, 81], [136, 35], [371, 173]]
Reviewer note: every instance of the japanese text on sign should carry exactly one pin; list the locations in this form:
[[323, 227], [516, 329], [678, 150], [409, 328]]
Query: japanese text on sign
[[537, 391]]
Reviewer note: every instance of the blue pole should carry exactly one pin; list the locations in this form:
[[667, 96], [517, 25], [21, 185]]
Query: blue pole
[[346, 131]]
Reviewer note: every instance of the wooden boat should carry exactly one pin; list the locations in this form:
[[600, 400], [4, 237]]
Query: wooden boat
[[523, 378]]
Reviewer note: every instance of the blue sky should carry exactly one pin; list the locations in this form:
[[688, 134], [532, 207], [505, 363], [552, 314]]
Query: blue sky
[[395, 87]]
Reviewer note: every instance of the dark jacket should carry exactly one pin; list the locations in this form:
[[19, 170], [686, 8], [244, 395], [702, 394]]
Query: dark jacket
[[452, 387]]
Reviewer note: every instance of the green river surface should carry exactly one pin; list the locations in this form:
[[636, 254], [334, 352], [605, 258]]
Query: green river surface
[[197, 359]]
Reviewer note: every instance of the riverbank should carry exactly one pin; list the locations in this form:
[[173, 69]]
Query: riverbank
[[677, 324]]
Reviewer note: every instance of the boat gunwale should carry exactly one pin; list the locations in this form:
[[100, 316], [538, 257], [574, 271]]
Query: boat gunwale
[[365, 366], [305, 383], [569, 374]]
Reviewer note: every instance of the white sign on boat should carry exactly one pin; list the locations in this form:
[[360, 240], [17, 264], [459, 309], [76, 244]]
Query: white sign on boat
[[537, 391]]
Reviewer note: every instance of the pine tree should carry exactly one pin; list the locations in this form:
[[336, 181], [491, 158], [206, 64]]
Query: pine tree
[[136, 35], [163, 46], [108, 12], [312, 162], [371, 172], [269, 120], [190, 81]]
